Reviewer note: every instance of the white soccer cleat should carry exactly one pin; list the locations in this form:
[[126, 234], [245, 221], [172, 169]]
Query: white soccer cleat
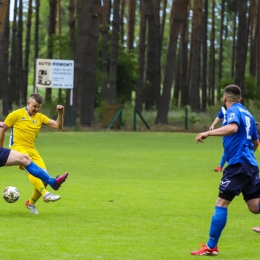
[[50, 197], [31, 207]]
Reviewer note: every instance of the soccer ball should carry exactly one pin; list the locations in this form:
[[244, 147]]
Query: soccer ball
[[11, 194]]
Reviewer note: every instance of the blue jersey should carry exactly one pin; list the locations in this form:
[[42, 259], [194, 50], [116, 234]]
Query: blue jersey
[[239, 147], [221, 112]]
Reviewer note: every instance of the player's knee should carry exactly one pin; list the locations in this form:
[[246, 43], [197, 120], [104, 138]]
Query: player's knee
[[254, 210], [253, 206], [25, 160]]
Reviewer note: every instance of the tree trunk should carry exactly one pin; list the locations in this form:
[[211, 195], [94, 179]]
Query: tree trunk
[[150, 88], [253, 17], [204, 57], [196, 58], [176, 89], [180, 12], [159, 52], [121, 23], [104, 57], [184, 84], [27, 52], [242, 40], [89, 61], [36, 37], [51, 32], [14, 66], [234, 42], [58, 15], [130, 24], [141, 58], [114, 54], [83, 27], [71, 8], [211, 96], [4, 40], [158, 39], [163, 19], [220, 62], [79, 9], [20, 78]]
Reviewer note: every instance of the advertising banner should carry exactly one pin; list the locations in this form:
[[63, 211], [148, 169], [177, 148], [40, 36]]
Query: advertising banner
[[54, 73]]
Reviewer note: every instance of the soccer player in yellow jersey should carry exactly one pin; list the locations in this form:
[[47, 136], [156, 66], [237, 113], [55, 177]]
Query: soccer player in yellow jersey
[[11, 157], [25, 124]]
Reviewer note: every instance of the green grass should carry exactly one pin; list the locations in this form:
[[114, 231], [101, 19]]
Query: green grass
[[129, 196]]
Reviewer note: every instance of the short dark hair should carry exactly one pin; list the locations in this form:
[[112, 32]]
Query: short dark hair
[[233, 92], [37, 98]]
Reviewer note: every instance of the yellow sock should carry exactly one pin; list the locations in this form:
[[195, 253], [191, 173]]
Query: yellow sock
[[32, 200], [39, 190]]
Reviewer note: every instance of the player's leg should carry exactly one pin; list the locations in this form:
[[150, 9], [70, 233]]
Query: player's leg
[[218, 223], [39, 190], [38, 161], [219, 219], [39, 185], [230, 186], [221, 164], [223, 160], [17, 158], [253, 199], [254, 207]]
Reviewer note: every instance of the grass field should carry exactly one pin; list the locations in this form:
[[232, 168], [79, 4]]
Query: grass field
[[129, 196]]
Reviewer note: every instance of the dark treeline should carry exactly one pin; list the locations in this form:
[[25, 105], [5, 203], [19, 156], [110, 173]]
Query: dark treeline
[[156, 54]]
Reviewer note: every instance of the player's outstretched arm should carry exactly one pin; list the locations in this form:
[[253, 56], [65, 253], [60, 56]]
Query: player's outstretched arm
[[217, 119], [200, 137], [3, 129], [58, 123], [255, 143], [222, 131]]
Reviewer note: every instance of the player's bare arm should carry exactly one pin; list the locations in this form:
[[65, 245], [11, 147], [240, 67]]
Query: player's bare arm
[[214, 123], [256, 143], [3, 129], [58, 123], [222, 131]]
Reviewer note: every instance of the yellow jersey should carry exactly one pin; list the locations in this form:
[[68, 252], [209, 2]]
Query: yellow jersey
[[24, 127]]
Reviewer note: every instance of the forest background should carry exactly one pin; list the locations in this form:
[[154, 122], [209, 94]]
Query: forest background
[[158, 56]]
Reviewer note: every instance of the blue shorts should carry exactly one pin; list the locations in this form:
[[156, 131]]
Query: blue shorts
[[239, 178], [4, 154]]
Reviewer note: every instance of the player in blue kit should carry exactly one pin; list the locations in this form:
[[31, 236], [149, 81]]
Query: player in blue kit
[[240, 140]]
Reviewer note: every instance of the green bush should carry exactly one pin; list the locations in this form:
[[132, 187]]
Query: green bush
[[252, 91]]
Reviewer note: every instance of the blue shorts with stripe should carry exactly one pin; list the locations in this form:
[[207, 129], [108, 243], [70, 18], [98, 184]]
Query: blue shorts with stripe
[[239, 178], [4, 154]]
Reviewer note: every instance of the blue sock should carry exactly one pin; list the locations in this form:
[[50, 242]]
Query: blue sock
[[259, 206], [218, 223], [223, 160], [38, 172]]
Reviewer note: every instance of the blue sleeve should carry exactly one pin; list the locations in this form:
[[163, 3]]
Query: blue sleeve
[[220, 114], [232, 118]]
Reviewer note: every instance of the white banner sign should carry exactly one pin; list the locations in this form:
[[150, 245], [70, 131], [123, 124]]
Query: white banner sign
[[54, 73]]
